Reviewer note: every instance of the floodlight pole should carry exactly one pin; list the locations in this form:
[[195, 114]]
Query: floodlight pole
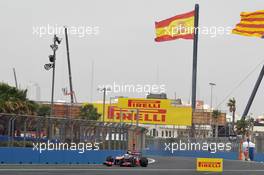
[[54, 47], [137, 117], [53, 77], [104, 91], [52, 90], [194, 71]]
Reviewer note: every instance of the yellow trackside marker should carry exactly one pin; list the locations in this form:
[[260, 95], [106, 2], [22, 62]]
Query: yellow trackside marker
[[209, 164]]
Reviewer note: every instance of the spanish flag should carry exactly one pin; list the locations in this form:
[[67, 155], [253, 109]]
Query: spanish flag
[[251, 24], [179, 26]]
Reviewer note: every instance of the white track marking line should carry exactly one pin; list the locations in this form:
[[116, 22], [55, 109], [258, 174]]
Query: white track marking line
[[151, 160], [122, 169]]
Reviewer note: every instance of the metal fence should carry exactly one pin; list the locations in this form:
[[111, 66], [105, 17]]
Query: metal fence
[[22, 130], [160, 143], [259, 141]]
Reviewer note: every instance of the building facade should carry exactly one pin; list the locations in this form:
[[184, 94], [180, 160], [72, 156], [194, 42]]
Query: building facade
[[161, 117]]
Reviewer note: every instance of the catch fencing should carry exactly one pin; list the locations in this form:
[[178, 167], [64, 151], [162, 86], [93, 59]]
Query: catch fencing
[[259, 141], [160, 143], [24, 130]]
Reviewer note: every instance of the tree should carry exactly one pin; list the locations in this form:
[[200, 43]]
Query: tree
[[13, 100], [216, 114], [232, 108], [89, 112], [244, 126], [43, 110]]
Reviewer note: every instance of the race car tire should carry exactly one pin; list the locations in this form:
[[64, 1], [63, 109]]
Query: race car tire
[[108, 164], [121, 162], [109, 159], [143, 162], [132, 161]]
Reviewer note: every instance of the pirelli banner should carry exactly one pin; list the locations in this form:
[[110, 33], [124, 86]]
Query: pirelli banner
[[209, 164], [149, 111]]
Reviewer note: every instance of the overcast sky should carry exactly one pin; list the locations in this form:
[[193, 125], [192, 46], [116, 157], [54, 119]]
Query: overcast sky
[[124, 50]]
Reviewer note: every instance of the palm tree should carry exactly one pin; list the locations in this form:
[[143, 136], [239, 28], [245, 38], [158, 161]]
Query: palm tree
[[232, 108], [215, 115], [14, 101]]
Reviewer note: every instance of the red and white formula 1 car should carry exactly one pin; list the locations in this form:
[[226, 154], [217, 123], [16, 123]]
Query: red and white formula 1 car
[[130, 159]]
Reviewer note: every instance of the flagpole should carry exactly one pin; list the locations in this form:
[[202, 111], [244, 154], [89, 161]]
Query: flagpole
[[194, 71]]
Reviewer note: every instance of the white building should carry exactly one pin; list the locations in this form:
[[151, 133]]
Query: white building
[[33, 91]]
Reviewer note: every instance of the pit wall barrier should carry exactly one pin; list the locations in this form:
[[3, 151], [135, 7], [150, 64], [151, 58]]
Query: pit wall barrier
[[259, 157], [28, 156]]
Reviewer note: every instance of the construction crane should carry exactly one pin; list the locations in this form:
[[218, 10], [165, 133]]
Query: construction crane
[[253, 94], [71, 93]]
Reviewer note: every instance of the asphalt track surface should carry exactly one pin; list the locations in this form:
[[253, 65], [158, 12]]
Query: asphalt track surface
[[161, 166]]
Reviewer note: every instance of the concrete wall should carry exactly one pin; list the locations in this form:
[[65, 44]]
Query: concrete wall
[[28, 156], [259, 157]]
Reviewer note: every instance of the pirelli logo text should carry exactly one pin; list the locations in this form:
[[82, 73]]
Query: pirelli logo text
[[145, 115], [149, 111], [149, 104], [146, 111], [209, 164]]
